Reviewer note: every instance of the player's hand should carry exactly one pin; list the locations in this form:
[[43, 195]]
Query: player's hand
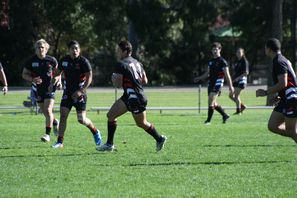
[[261, 93], [196, 79], [5, 90], [59, 85], [77, 94], [37, 80]]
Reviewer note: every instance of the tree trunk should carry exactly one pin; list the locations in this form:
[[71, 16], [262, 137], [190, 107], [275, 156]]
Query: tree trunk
[[293, 30], [276, 32]]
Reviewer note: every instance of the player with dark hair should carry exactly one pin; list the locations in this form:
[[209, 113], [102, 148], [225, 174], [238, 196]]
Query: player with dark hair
[[216, 72], [283, 119], [241, 70], [3, 80], [130, 75], [77, 78], [39, 70]]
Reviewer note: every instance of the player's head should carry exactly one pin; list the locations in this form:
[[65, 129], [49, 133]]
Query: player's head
[[272, 46], [216, 48], [74, 48], [124, 49], [240, 53], [41, 48]]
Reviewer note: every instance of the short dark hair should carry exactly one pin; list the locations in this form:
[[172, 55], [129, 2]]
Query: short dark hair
[[273, 44], [72, 42], [125, 45], [216, 44]]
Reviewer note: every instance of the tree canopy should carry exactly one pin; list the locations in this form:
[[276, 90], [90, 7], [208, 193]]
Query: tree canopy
[[172, 37]]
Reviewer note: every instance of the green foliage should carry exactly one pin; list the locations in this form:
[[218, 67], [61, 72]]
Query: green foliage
[[173, 36]]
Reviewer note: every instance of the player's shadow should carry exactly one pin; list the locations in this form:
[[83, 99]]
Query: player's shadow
[[210, 163], [245, 146]]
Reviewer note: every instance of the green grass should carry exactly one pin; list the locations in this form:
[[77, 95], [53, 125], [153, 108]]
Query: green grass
[[237, 159]]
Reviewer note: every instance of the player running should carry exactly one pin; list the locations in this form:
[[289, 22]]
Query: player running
[[241, 70], [283, 119], [129, 75], [39, 70], [216, 72], [3, 80], [77, 78]]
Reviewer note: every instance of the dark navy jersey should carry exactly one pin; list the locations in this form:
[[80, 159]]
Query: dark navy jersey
[[281, 65], [132, 72], [240, 67], [43, 68], [216, 71], [74, 72]]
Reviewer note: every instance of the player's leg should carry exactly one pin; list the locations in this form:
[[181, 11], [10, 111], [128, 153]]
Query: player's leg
[[276, 124], [237, 100], [291, 127], [141, 121], [211, 104], [64, 113], [84, 120], [117, 109], [47, 110], [219, 109]]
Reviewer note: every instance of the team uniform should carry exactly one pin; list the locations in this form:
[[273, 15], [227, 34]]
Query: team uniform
[[241, 67], [288, 102], [74, 79], [216, 74], [43, 68], [133, 95]]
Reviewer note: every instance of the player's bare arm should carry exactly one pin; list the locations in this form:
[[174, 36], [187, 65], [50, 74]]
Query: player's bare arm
[[229, 80], [83, 90], [202, 77], [117, 80], [282, 83], [4, 81], [144, 79], [27, 76]]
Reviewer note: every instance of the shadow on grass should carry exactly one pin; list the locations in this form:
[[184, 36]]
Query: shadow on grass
[[240, 145], [209, 163], [51, 155]]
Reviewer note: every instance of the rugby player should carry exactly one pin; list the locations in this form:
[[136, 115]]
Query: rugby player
[[3, 80], [39, 70], [241, 70], [216, 72], [77, 72], [283, 119], [130, 75]]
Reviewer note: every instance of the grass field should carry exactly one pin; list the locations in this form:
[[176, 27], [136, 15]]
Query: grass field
[[237, 159]]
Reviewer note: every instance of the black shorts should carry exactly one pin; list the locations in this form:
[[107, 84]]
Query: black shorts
[[135, 104], [215, 89], [41, 98], [80, 104], [42, 94], [288, 108], [239, 85]]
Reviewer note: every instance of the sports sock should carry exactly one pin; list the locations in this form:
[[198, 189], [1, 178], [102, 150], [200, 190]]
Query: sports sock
[[55, 123], [210, 113], [220, 110], [111, 127], [60, 139], [153, 132], [92, 129], [48, 130]]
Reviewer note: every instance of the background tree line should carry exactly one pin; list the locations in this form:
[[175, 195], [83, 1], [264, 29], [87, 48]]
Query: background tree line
[[172, 37]]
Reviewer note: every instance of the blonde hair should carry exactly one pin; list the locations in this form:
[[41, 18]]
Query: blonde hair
[[42, 41]]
